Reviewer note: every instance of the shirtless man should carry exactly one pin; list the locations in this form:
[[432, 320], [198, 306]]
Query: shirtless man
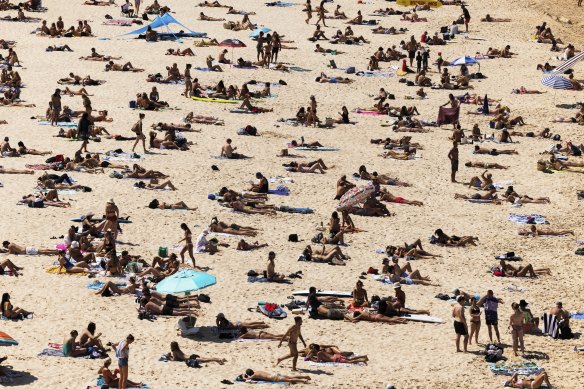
[[14, 248], [485, 165], [343, 186], [244, 333], [453, 157], [293, 335], [271, 269], [227, 151], [480, 150], [460, 325]]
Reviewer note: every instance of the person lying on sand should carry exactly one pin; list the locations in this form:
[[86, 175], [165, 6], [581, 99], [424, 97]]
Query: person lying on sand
[[485, 165], [180, 53], [13, 248], [157, 307], [4, 170], [522, 271], [95, 56], [246, 104], [223, 324], [409, 250], [312, 167], [251, 208], [534, 231], [67, 267], [324, 255], [324, 79], [242, 245], [110, 288], [406, 156], [324, 355], [251, 375], [155, 204], [232, 229], [127, 67], [494, 152], [382, 179], [204, 17], [413, 17], [535, 383], [441, 238], [357, 316], [7, 264], [386, 196], [489, 19], [49, 199], [245, 333], [176, 354]]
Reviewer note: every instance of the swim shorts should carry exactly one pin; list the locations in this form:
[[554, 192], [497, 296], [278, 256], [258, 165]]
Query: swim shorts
[[31, 251], [460, 329], [454, 165]]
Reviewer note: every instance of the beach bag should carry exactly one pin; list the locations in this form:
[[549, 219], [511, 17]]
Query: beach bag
[[443, 30], [565, 331], [204, 298], [193, 363], [442, 296], [252, 273], [163, 252], [317, 238], [350, 70], [132, 104], [293, 238]]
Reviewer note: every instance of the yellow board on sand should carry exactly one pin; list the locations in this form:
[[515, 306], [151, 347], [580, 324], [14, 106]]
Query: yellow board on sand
[[401, 73], [411, 3]]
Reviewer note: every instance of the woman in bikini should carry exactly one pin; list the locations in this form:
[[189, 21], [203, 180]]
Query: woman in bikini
[[11, 312], [516, 327], [188, 247], [522, 271], [534, 231], [475, 320], [386, 196], [176, 354], [233, 229], [357, 316], [535, 383], [244, 333], [223, 324], [360, 295]]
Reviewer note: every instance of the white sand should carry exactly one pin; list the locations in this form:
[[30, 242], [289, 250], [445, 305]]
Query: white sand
[[412, 356]]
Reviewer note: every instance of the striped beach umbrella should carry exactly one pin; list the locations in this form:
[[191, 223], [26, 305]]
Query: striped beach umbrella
[[356, 195], [7, 340], [556, 82]]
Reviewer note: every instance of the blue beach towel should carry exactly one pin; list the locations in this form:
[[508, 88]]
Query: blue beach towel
[[285, 208], [281, 190], [524, 219]]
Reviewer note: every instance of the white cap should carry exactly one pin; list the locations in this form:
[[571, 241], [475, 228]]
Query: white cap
[[75, 244]]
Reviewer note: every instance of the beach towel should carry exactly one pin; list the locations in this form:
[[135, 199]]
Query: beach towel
[[527, 219], [575, 315], [59, 124], [510, 368], [55, 270], [240, 110], [448, 115], [280, 179], [281, 190], [551, 325], [262, 279], [502, 184], [374, 73], [280, 4], [285, 208], [100, 382], [97, 285], [316, 148]]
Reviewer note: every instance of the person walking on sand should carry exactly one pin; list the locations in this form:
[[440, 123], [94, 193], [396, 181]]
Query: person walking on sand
[[321, 14], [453, 157], [293, 334], [123, 353], [308, 10], [137, 6], [83, 131], [188, 247], [516, 327], [137, 129], [460, 325], [56, 104], [466, 16]]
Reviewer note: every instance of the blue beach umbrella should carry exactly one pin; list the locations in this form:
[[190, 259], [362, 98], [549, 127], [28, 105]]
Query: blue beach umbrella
[[556, 82], [185, 281], [465, 60]]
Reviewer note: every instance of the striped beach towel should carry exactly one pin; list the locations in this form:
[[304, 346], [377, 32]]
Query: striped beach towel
[[551, 325]]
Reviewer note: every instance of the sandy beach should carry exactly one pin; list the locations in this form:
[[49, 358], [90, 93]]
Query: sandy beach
[[414, 355]]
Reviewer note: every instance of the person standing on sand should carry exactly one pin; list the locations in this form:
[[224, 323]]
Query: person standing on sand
[[188, 247], [56, 103], [83, 131], [293, 334], [188, 82], [460, 325], [453, 157], [308, 10], [137, 6], [491, 304], [123, 353], [516, 327], [321, 14], [137, 129], [466, 16]]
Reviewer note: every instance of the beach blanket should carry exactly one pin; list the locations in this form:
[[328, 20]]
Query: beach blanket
[[316, 148], [502, 184], [280, 4], [55, 270], [280, 179], [100, 382], [285, 208], [527, 219], [262, 279], [448, 115], [281, 190], [510, 368], [374, 73], [119, 22]]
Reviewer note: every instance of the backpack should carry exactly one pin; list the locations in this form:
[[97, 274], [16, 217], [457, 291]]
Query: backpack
[[204, 298], [293, 238], [350, 70]]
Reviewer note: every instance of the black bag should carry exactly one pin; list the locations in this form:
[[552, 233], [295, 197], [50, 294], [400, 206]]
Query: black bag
[[252, 273], [193, 363], [293, 238], [565, 332], [204, 298], [350, 70], [36, 204]]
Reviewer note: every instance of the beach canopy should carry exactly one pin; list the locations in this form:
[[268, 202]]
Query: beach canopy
[[569, 64], [356, 195], [163, 22], [556, 82], [255, 33], [185, 281], [233, 43], [7, 340], [465, 60]]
